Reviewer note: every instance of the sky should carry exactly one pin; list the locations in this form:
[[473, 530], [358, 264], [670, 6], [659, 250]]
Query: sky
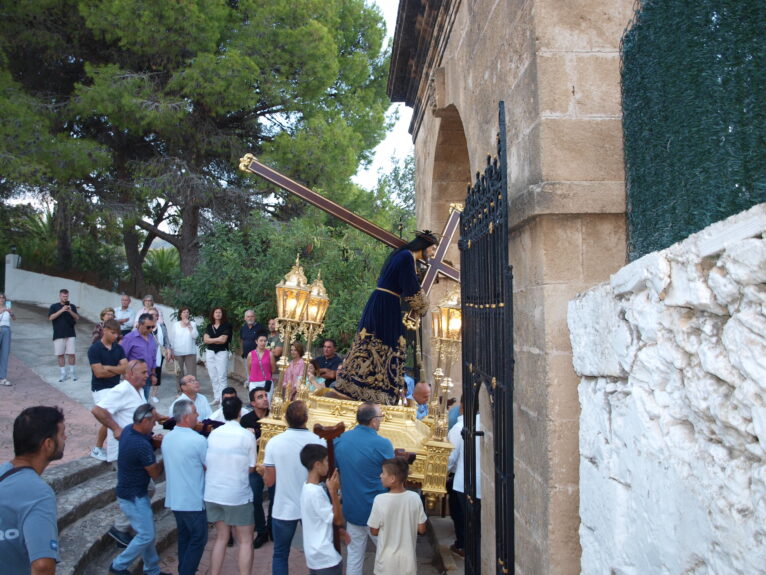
[[398, 142]]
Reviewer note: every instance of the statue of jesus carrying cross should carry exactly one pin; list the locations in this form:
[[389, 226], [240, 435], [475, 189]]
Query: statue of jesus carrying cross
[[372, 370]]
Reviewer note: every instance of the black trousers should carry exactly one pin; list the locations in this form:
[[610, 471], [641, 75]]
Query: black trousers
[[457, 512]]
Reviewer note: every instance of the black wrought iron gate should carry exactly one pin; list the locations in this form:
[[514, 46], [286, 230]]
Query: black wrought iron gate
[[486, 290]]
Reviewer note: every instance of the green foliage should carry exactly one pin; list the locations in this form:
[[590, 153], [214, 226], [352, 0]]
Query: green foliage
[[240, 268], [396, 189], [95, 253], [161, 267], [144, 108], [37, 247], [694, 116]]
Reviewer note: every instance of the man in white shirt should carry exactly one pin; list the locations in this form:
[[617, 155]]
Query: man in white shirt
[[455, 464], [124, 315], [190, 390], [218, 413], [282, 465], [115, 410], [231, 452]]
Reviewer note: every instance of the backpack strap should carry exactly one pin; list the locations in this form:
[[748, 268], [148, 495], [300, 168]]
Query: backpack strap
[[14, 470]]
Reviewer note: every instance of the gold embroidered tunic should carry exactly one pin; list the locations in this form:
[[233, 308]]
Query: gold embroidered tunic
[[372, 370]]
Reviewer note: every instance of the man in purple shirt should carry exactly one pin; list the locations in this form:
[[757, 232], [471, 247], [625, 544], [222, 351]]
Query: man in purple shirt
[[140, 344]]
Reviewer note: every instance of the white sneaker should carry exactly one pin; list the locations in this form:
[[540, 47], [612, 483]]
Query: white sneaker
[[6, 383], [98, 453], [155, 400], [62, 378]]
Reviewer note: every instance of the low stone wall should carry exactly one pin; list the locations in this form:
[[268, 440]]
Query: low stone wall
[[43, 290], [672, 358]]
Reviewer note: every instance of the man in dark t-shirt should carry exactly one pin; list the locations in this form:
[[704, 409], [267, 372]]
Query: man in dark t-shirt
[[63, 316], [107, 363], [328, 363], [259, 400], [136, 465]]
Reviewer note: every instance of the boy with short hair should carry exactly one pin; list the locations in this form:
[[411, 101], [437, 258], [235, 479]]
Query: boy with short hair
[[396, 518], [318, 513]]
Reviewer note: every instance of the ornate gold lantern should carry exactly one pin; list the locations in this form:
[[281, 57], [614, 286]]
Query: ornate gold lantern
[[292, 294], [292, 297], [446, 323], [312, 326]]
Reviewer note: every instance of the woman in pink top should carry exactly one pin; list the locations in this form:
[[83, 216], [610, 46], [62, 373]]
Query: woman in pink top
[[262, 365], [294, 371]]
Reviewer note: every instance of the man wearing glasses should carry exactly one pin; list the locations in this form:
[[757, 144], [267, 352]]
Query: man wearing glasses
[[359, 454], [140, 344]]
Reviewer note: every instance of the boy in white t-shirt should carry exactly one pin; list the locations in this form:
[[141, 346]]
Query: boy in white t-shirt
[[320, 509], [396, 518]]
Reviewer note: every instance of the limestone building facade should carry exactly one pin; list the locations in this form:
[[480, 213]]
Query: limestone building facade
[[555, 64]]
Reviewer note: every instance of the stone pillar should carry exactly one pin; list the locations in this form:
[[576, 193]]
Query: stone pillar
[[555, 64], [568, 233]]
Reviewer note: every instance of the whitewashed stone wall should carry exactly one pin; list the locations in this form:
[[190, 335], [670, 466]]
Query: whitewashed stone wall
[[672, 358]]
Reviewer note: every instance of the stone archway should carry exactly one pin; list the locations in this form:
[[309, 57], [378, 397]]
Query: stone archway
[[451, 170], [450, 177]]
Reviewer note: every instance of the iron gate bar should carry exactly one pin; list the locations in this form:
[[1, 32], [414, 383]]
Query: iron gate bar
[[487, 302]]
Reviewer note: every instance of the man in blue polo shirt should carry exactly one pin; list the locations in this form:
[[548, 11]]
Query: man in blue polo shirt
[[184, 451], [359, 454], [107, 363], [136, 465]]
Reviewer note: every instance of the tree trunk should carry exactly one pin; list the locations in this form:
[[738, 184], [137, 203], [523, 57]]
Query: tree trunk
[[135, 259], [62, 225], [188, 236]]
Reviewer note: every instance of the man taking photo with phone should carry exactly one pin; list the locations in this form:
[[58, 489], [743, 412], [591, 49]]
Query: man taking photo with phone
[[63, 316]]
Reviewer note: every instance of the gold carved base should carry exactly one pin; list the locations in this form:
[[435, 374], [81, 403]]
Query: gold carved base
[[400, 425]]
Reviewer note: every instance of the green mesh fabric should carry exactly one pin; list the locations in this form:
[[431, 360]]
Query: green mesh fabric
[[694, 115]]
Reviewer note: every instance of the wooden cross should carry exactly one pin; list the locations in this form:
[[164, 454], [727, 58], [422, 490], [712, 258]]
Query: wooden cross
[[436, 264], [329, 433]]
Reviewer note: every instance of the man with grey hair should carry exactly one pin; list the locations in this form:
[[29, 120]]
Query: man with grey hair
[[136, 466], [359, 454], [190, 391], [115, 410], [184, 451]]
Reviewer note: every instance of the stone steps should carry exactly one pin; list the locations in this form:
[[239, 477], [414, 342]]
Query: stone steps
[[81, 499], [86, 506], [166, 536], [86, 540], [62, 477]]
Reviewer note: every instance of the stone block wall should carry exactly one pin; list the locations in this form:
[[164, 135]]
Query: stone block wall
[[672, 358], [556, 66]]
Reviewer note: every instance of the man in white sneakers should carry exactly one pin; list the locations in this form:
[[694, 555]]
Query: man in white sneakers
[[63, 317], [107, 363], [115, 410]]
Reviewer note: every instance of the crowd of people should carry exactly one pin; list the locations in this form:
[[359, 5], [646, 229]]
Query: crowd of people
[[209, 458]]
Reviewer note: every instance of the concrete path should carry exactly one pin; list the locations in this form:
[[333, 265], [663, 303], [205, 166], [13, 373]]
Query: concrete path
[[34, 373]]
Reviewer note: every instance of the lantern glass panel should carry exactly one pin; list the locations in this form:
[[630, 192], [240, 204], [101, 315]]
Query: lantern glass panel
[[435, 323], [455, 321]]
